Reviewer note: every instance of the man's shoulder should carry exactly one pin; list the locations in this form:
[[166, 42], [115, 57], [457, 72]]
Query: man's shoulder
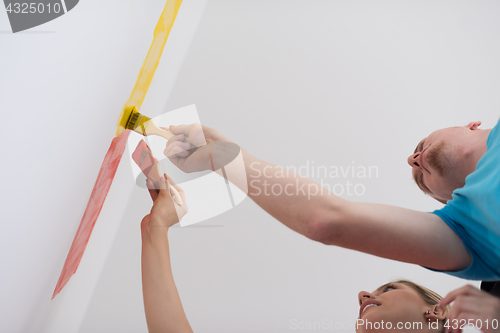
[[494, 136]]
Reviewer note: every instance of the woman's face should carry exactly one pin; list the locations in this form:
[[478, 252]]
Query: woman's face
[[394, 307]]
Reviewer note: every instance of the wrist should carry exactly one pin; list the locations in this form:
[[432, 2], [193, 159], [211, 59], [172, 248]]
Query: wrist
[[222, 153], [155, 232]]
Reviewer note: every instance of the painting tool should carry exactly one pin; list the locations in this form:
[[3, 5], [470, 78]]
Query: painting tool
[[135, 121], [151, 168]]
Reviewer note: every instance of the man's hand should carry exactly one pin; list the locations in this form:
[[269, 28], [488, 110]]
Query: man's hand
[[165, 211], [471, 305], [211, 149]]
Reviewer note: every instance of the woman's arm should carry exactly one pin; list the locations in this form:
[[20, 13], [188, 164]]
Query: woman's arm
[[162, 304]]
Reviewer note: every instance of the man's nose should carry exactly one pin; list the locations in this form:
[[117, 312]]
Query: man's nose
[[363, 295], [413, 160]]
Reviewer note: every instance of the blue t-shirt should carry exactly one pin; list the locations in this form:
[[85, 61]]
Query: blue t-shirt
[[474, 214]]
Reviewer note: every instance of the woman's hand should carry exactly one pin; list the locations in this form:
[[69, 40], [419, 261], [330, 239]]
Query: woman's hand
[[162, 304], [165, 212], [472, 306]]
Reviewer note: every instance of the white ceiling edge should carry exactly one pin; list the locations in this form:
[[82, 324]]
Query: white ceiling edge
[[67, 311], [41, 215], [33, 270]]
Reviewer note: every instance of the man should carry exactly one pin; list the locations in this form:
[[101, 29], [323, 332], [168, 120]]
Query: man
[[441, 161], [462, 239]]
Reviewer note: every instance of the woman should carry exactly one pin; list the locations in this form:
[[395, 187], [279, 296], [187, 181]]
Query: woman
[[402, 306]]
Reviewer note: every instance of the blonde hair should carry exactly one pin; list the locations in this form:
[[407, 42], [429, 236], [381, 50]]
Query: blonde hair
[[429, 296]]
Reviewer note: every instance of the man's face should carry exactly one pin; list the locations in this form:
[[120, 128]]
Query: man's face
[[441, 161]]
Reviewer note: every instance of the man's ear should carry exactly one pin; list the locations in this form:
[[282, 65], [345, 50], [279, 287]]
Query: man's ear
[[474, 125], [436, 313]]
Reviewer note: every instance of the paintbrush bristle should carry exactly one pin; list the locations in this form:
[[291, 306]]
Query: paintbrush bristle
[[135, 121], [132, 120]]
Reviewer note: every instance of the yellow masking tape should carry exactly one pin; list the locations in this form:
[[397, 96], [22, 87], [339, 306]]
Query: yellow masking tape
[[152, 60]]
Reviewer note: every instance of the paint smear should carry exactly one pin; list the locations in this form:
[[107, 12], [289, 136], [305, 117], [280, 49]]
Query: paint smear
[[94, 206], [115, 152], [152, 60]]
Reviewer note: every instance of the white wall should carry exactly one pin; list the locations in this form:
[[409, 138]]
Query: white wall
[[63, 86], [334, 82]]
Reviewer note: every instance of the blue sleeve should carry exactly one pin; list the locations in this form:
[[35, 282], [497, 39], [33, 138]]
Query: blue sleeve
[[469, 272]]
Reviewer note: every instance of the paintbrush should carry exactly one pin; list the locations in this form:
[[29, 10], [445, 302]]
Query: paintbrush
[[135, 121]]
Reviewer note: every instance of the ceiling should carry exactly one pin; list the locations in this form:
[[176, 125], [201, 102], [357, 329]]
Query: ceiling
[[345, 84]]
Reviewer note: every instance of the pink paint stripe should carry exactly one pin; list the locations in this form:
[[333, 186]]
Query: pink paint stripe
[[94, 206]]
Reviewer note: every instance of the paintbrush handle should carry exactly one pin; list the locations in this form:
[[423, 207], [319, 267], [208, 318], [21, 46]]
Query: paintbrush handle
[[153, 129], [175, 195]]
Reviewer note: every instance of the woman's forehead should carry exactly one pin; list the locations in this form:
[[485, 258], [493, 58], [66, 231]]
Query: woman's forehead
[[380, 289]]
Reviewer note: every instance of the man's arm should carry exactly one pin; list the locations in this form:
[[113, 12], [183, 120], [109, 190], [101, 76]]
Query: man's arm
[[162, 304], [382, 230], [307, 208], [396, 233]]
